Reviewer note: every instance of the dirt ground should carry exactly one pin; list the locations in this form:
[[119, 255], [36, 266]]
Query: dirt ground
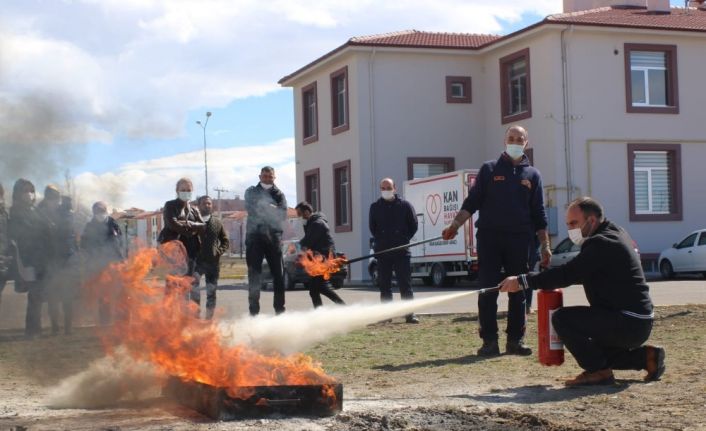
[[397, 377]]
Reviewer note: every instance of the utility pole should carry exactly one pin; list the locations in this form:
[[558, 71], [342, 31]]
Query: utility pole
[[220, 190], [205, 159]]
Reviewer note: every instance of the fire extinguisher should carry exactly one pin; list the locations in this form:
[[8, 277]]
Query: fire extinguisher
[[551, 349]]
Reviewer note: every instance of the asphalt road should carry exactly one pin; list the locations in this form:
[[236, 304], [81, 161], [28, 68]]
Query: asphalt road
[[232, 298]]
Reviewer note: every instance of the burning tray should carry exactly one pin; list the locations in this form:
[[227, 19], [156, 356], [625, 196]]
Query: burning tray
[[256, 401]]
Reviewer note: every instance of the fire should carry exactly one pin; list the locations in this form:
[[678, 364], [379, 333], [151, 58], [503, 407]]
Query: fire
[[160, 325], [316, 264]]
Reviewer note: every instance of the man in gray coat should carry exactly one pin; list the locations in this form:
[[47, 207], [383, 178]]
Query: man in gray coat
[[214, 243]]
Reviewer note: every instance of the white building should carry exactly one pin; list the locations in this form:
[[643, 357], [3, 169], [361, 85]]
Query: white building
[[611, 96]]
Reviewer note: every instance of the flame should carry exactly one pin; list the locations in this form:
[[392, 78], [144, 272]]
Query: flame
[[316, 264], [160, 325]]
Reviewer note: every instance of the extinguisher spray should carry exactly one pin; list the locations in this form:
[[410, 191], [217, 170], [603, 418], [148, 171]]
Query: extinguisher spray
[[551, 349]]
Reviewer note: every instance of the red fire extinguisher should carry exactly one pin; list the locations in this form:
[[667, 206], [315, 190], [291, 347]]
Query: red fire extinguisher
[[551, 349]]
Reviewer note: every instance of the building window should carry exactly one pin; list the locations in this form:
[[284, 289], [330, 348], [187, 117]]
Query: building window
[[339, 101], [654, 176], [311, 188], [458, 89], [342, 196], [422, 167], [651, 78], [310, 114], [515, 86]]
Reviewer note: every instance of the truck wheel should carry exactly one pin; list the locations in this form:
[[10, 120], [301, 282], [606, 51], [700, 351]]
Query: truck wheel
[[438, 275], [288, 281]]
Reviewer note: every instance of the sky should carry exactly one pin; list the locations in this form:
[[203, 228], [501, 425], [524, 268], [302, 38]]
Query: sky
[[107, 93]]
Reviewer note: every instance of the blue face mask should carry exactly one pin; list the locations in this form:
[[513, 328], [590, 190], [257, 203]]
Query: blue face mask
[[515, 151]]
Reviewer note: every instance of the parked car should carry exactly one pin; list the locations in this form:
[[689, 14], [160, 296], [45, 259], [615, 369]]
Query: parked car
[[567, 250], [686, 256], [293, 273]]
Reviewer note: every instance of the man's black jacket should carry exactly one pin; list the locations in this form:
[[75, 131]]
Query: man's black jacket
[[609, 269], [267, 210], [214, 241], [392, 223], [317, 235], [508, 197]]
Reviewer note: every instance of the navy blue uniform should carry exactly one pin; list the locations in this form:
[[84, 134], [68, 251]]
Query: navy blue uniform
[[393, 223], [510, 205]]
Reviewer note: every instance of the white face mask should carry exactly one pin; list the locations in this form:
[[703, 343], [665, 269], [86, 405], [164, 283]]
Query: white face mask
[[388, 195], [266, 186], [101, 217], [184, 196], [206, 217], [515, 151], [576, 236]]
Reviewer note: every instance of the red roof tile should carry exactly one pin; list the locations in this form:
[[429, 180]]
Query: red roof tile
[[423, 39], [679, 18]]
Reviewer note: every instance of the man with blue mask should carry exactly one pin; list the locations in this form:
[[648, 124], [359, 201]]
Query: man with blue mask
[[608, 334], [507, 194]]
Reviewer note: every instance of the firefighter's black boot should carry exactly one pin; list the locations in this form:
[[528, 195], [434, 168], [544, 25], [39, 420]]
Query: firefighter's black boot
[[489, 348]]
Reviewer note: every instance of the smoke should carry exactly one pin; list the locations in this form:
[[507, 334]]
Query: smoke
[[106, 381], [295, 331]]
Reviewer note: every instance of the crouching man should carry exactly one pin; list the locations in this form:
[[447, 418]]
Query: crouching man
[[610, 333]]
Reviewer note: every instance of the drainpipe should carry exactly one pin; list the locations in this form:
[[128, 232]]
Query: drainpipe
[[567, 121], [371, 113]]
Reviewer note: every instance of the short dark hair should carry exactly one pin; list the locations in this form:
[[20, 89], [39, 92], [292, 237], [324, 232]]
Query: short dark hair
[[203, 198], [304, 206], [588, 206], [269, 169], [19, 187]]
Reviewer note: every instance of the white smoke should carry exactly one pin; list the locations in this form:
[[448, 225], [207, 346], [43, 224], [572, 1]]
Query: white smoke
[[106, 382], [295, 331]]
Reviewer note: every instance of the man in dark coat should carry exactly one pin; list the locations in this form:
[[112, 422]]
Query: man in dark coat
[[62, 277], [393, 222], [608, 334], [5, 258], [30, 232], [183, 222], [102, 244], [317, 238], [267, 211], [214, 243], [508, 197]]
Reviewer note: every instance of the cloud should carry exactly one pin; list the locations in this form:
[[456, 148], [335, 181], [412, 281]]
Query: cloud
[[148, 184], [136, 68]]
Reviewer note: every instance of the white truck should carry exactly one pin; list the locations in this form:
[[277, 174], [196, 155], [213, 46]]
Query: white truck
[[437, 200]]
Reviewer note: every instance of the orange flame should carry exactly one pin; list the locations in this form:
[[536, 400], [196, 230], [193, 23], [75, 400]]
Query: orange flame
[[316, 264], [160, 325]]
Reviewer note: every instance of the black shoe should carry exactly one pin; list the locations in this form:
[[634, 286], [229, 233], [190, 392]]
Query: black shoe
[[655, 363], [489, 348], [517, 348], [412, 318]]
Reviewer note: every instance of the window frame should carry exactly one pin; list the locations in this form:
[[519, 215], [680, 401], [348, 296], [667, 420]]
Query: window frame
[[315, 137], [342, 227], [340, 128], [672, 79], [674, 169], [505, 63], [465, 81], [307, 192], [449, 161]]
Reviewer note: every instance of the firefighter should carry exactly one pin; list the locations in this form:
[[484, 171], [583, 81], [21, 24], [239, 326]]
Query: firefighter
[[267, 211], [611, 331], [508, 197], [317, 238], [5, 258]]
